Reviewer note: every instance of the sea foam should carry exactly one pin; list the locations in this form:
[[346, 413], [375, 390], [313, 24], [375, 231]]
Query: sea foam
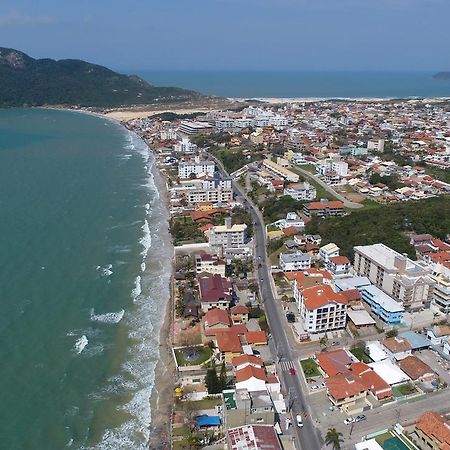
[[81, 343], [111, 317]]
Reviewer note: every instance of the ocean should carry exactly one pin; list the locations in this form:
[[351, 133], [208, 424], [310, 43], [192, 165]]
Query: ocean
[[85, 263], [296, 84]]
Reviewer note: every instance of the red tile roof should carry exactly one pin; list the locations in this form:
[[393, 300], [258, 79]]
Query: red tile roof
[[256, 337], [251, 359], [414, 367], [317, 296], [352, 295], [214, 288], [239, 309], [333, 204], [435, 427], [344, 385], [340, 260], [228, 341], [216, 316], [238, 329], [255, 437], [334, 362], [250, 372]]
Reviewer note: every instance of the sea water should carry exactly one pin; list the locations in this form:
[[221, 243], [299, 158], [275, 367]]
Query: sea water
[[84, 276]]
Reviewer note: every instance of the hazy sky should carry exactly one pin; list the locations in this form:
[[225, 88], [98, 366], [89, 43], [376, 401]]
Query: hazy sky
[[234, 34]]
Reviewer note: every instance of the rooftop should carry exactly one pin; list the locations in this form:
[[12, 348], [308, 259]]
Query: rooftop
[[316, 296], [436, 427]]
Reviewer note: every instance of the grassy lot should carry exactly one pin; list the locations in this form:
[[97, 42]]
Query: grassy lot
[[308, 167], [370, 204], [181, 431], [310, 368], [205, 354], [359, 353], [197, 405], [404, 389]]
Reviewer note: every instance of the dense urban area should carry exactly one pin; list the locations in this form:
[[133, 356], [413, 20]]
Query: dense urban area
[[311, 289]]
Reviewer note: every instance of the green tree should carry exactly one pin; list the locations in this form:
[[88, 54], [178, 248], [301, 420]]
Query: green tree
[[392, 333], [334, 438], [212, 381], [223, 376]]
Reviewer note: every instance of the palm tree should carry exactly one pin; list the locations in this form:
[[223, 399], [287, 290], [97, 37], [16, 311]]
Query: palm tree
[[334, 438]]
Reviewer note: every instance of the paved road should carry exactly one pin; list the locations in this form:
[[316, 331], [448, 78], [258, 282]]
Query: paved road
[[329, 189], [308, 435]]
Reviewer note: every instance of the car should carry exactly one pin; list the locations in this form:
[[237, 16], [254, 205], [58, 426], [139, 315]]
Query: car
[[315, 387], [262, 279], [335, 343], [299, 420], [360, 418], [292, 371], [323, 385], [349, 420]]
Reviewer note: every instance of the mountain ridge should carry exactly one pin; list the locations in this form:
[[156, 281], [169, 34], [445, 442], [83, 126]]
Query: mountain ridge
[[26, 81]]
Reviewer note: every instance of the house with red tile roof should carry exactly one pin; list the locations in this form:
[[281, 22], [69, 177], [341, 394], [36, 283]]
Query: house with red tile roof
[[324, 208], [251, 378], [255, 338], [215, 292], [432, 431], [335, 361], [347, 391], [339, 265], [239, 314], [216, 318], [242, 361], [228, 344], [416, 369]]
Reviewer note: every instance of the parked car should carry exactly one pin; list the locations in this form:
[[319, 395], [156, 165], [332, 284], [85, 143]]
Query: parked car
[[315, 387], [360, 418], [299, 421], [349, 420]]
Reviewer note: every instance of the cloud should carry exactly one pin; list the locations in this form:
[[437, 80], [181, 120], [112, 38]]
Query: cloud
[[17, 19]]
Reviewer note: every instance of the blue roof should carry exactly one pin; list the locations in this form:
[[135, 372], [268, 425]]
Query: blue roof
[[207, 421], [416, 340]]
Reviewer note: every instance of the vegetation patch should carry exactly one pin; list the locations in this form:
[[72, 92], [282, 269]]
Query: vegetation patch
[[192, 356], [310, 368]]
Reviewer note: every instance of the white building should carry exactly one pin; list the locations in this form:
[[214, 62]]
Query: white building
[[280, 171], [291, 262], [322, 309], [338, 265], [226, 237], [185, 146], [301, 191], [292, 220], [197, 168], [376, 146], [209, 264], [328, 251], [396, 274]]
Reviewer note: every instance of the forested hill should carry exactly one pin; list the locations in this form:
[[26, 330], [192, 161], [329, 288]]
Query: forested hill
[[25, 81]]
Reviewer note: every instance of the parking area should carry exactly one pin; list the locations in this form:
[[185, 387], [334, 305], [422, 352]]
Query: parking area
[[437, 363]]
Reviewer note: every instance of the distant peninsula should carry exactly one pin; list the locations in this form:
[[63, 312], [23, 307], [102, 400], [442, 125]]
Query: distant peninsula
[[26, 81], [442, 76]]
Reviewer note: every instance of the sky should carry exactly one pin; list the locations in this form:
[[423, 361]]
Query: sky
[[365, 35]]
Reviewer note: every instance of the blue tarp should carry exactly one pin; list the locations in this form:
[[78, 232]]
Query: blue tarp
[[207, 421]]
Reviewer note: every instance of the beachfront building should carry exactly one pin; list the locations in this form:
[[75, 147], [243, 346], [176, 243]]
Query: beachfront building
[[196, 169], [210, 264], [321, 309], [228, 239], [397, 275], [215, 292], [280, 171], [301, 191], [291, 262], [324, 208]]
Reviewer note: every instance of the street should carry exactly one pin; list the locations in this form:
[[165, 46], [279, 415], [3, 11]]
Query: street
[[308, 436]]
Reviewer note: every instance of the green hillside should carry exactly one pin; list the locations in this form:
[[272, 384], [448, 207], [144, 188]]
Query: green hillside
[[26, 81]]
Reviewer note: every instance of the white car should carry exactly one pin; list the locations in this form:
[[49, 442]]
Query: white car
[[349, 420], [299, 420]]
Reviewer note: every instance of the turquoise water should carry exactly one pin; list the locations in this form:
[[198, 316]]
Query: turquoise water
[[80, 312], [302, 84]]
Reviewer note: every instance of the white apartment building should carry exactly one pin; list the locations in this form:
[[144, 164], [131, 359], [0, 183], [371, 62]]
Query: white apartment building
[[328, 251], [339, 167], [209, 264], [185, 146], [301, 191], [397, 275], [280, 171], [198, 168], [291, 262], [376, 146], [214, 190], [321, 309], [227, 237]]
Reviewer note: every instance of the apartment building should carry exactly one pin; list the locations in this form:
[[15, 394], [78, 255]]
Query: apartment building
[[228, 236], [441, 291], [397, 275], [301, 191], [324, 208], [190, 127], [196, 168], [321, 309], [280, 171], [432, 431], [291, 262], [209, 264]]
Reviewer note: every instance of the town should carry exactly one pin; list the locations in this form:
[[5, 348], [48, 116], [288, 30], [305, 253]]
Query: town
[[311, 286]]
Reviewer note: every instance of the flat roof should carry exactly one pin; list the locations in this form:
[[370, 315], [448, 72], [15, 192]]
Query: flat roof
[[360, 317], [384, 300], [233, 229], [371, 444], [345, 284], [390, 372], [376, 351], [416, 340]]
